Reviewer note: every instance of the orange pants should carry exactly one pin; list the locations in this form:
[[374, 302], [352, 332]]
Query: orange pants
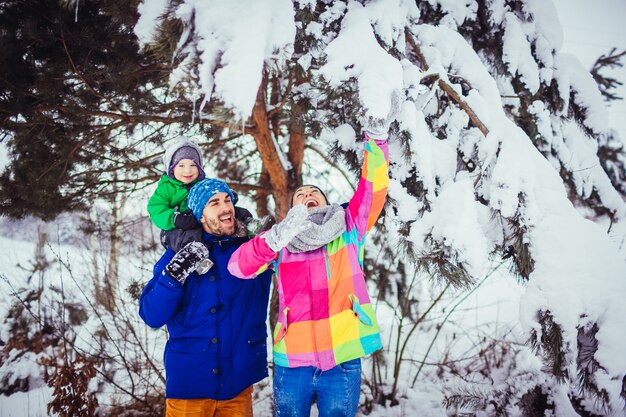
[[240, 406]]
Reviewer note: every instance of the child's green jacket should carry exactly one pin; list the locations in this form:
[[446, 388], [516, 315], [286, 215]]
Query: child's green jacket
[[169, 197]]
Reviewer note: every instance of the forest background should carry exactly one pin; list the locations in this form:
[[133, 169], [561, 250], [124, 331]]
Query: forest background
[[498, 265]]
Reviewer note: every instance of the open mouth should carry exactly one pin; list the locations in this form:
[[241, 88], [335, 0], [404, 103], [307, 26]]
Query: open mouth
[[311, 203], [226, 220]]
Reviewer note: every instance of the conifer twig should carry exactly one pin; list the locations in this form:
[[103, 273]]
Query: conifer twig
[[447, 88]]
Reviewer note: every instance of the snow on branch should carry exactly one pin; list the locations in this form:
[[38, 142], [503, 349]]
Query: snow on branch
[[446, 87]]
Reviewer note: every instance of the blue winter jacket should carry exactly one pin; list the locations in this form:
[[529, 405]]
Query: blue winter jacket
[[216, 325]]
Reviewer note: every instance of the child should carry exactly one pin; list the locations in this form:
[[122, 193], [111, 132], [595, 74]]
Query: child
[[168, 205], [183, 168]]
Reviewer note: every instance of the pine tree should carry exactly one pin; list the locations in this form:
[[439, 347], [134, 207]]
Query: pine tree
[[479, 84], [265, 83], [78, 102]]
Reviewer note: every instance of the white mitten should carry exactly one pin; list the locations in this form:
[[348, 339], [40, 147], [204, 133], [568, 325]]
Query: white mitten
[[379, 128], [295, 222]]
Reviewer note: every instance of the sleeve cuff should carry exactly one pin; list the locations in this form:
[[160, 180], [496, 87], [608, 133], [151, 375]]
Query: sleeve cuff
[[377, 136]]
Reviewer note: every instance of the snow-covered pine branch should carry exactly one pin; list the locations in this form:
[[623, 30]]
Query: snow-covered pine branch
[[486, 162]]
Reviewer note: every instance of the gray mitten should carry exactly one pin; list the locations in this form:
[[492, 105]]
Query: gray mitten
[[187, 260], [295, 222], [379, 128]]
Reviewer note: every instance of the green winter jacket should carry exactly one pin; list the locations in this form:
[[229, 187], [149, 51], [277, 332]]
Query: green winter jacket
[[169, 197]]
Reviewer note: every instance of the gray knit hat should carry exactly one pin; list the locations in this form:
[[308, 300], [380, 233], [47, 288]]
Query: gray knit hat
[[183, 148]]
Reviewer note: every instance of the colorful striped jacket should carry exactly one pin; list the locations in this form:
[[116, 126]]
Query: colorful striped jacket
[[325, 315]]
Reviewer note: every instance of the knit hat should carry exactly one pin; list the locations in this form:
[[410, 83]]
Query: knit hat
[[183, 148], [308, 185], [202, 192]]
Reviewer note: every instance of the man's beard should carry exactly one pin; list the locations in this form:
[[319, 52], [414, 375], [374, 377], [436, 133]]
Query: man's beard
[[218, 228]]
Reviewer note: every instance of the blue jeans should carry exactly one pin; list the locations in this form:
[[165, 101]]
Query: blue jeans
[[337, 390]]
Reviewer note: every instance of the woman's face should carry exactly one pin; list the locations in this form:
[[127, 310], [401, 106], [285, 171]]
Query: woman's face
[[310, 196]]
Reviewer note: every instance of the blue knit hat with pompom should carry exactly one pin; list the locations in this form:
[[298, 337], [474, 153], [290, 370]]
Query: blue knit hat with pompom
[[202, 192]]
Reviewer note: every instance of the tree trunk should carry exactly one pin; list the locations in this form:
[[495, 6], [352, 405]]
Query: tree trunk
[[112, 276], [278, 175]]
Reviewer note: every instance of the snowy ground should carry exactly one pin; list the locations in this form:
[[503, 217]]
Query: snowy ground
[[491, 311]]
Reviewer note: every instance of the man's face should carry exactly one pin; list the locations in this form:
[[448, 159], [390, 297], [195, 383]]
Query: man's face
[[218, 216], [310, 196]]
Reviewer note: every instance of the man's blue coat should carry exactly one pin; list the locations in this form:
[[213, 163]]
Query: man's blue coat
[[216, 325]]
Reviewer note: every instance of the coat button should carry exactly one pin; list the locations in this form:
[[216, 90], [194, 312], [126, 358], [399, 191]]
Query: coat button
[[213, 310], [216, 371], [211, 277], [214, 340]]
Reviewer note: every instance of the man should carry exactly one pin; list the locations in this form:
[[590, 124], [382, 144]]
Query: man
[[326, 322], [216, 322]]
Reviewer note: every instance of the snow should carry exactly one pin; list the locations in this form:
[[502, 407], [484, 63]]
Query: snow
[[344, 135], [234, 39], [387, 18], [426, 151], [444, 48], [547, 23], [571, 247], [407, 206], [453, 220], [578, 290], [240, 36], [149, 14], [516, 53], [572, 76], [33, 403], [591, 31], [580, 152], [4, 156], [355, 53], [456, 11], [472, 186]]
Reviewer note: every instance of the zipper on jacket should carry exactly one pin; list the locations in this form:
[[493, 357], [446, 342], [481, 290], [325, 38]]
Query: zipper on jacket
[[315, 347]]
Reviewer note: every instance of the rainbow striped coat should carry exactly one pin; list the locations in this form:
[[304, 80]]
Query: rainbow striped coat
[[325, 315]]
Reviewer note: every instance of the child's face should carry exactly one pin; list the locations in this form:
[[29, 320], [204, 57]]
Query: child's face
[[186, 171]]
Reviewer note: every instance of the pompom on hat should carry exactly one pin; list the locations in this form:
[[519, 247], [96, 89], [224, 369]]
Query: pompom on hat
[[202, 192]]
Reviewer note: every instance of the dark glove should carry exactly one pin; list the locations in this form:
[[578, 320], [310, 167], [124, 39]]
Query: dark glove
[[186, 261], [242, 214], [186, 221], [258, 226]]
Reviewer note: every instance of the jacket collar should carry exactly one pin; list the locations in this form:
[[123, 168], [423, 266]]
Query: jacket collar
[[240, 235]]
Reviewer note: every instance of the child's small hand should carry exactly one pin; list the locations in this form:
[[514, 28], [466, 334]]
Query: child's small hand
[[186, 221]]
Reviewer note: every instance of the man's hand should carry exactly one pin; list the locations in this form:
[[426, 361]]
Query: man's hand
[[186, 261], [379, 128], [186, 221], [295, 222]]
